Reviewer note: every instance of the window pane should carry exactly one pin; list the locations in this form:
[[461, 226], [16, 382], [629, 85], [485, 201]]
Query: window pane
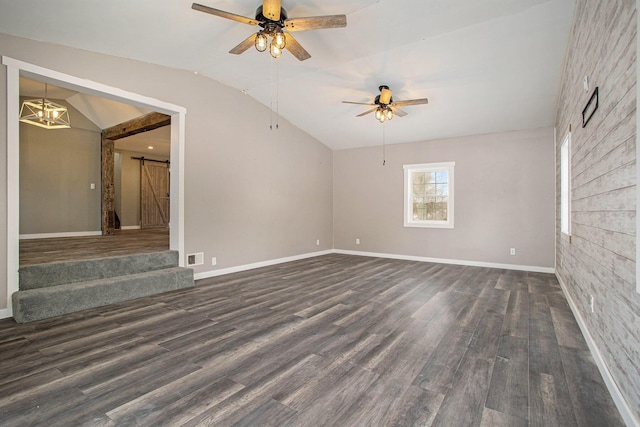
[[429, 195], [441, 177], [441, 189]]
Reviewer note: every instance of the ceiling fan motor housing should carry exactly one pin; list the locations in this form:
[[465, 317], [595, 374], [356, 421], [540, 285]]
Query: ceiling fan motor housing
[[265, 22], [377, 101]]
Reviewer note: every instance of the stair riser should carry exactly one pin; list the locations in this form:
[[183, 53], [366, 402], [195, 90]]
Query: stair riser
[[57, 273], [42, 303]]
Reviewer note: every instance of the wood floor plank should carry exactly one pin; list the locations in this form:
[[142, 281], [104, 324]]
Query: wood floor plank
[[123, 242], [567, 331], [177, 402], [388, 402], [493, 418], [463, 404], [516, 322], [439, 370], [331, 400], [548, 391], [583, 380], [331, 340], [509, 388]]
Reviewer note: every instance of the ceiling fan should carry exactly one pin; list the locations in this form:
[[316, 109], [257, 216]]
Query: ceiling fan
[[273, 20], [385, 107]]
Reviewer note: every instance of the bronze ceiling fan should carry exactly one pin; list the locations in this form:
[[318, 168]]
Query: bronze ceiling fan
[[273, 20], [385, 107]]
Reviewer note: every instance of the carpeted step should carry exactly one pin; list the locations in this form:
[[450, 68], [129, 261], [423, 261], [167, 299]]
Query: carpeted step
[[64, 272], [50, 301]]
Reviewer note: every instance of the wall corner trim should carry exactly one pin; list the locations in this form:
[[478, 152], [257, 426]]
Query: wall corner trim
[[612, 387]]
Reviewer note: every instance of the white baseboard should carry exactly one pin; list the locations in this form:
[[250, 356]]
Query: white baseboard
[[63, 234], [531, 268], [129, 227], [245, 267], [5, 313], [610, 382], [223, 271]]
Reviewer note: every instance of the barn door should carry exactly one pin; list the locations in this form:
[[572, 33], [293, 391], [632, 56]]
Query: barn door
[[154, 194]]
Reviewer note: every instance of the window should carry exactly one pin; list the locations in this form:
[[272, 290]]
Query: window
[[428, 195], [565, 185]]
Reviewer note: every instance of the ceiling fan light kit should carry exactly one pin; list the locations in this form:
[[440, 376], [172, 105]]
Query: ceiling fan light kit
[[273, 20]]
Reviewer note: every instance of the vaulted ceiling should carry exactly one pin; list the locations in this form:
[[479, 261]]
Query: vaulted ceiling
[[485, 65]]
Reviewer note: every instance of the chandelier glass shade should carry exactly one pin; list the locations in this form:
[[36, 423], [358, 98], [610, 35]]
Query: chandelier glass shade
[[278, 41], [384, 113], [261, 42], [44, 113]]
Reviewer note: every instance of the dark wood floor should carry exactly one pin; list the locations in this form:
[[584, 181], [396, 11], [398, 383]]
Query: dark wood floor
[[123, 242], [334, 340]]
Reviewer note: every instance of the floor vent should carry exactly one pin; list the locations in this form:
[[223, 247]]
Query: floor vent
[[195, 259]]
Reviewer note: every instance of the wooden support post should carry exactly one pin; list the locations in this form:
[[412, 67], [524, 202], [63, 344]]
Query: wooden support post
[[108, 190]]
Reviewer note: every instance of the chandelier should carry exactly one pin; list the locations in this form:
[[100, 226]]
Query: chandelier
[[44, 113]]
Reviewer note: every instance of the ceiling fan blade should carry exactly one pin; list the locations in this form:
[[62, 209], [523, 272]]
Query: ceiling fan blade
[[271, 9], [398, 112], [411, 102], [295, 48], [316, 22], [223, 14], [367, 112], [244, 45], [385, 96], [358, 103]]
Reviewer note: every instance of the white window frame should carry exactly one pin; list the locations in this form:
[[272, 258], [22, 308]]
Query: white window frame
[[565, 185], [408, 194]]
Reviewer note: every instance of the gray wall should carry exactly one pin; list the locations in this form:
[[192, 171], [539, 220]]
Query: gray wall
[[57, 167], [127, 188], [251, 194], [504, 198], [600, 261]]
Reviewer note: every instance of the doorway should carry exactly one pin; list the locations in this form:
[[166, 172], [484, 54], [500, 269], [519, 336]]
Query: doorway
[[15, 69]]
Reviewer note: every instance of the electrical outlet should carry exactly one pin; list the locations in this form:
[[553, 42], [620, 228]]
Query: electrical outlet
[[591, 304], [214, 261], [318, 242], [512, 251], [357, 241]]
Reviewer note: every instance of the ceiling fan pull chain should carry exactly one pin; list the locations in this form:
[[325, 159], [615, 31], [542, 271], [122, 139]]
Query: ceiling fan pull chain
[[271, 94], [384, 148], [277, 94]]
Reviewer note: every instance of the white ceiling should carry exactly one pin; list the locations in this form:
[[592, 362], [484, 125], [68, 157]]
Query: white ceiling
[[485, 65]]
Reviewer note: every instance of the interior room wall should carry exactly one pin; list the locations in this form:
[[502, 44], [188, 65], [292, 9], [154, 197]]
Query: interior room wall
[[600, 260], [57, 167], [503, 199], [129, 189], [251, 194]]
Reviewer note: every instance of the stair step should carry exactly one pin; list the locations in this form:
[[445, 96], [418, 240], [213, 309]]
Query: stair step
[[64, 272], [41, 303]]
